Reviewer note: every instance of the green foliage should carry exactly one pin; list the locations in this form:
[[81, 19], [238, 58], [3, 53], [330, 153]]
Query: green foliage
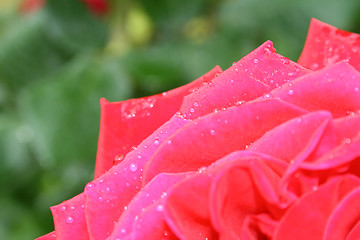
[[56, 64]]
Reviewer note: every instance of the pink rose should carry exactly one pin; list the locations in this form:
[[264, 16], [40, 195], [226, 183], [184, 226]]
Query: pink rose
[[267, 149]]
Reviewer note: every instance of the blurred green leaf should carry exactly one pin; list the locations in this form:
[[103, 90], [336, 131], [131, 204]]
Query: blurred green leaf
[[64, 109], [72, 27]]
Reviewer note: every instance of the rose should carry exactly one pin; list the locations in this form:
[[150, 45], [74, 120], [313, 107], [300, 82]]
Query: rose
[[266, 149]]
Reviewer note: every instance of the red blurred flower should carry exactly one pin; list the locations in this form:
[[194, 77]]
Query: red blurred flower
[[96, 6]]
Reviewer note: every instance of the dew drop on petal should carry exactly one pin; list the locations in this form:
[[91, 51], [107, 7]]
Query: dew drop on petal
[[256, 60], [160, 208], [347, 141], [133, 167], [290, 92], [156, 141], [69, 220], [285, 60], [192, 110], [356, 89], [196, 104], [168, 142], [268, 95], [212, 132]]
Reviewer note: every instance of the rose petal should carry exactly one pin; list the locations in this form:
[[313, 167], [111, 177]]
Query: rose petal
[[69, 219], [326, 45], [354, 233], [344, 217], [107, 195], [155, 190], [49, 236], [307, 218], [320, 90], [339, 156], [125, 124], [211, 137], [261, 223], [234, 196], [151, 225], [187, 209], [297, 138], [347, 128], [254, 75]]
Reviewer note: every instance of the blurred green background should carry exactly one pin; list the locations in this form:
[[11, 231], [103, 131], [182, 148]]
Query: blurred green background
[[56, 62]]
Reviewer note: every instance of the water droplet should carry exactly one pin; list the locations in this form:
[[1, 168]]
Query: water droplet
[[89, 186], [285, 60], [156, 141], [160, 208], [290, 92], [314, 66], [163, 194], [107, 189], [125, 208], [63, 208], [123, 231], [347, 141], [133, 167], [100, 199], [236, 69], [139, 157], [72, 208], [164, 93], [192, 110], [69, 220], [268, 95], [212, 132], [196, 104], [256, 60], [202, 169], [356, 89], [168, 142]]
